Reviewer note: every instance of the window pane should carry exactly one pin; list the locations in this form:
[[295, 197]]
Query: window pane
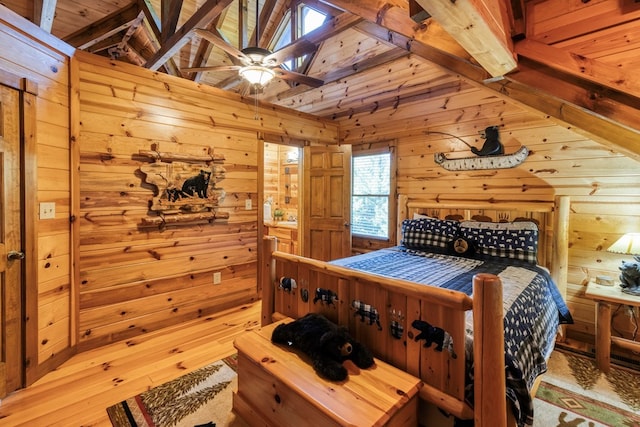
[[370, 216], [370, 195], [311, 19], [371, 174]]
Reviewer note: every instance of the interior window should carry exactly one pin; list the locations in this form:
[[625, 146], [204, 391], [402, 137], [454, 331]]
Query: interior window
[[309, 20], [371, 182]]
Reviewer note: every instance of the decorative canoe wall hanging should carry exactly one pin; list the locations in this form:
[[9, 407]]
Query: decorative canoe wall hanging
[[186, 184], [490, 156]]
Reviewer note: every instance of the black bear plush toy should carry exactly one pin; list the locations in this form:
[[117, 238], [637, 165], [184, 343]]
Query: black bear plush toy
[[327, 344]]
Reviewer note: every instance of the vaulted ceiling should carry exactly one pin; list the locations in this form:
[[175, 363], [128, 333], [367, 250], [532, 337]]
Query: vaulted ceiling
[[573, 60]]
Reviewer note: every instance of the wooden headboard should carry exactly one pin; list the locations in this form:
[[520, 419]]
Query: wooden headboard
[[552, 219]]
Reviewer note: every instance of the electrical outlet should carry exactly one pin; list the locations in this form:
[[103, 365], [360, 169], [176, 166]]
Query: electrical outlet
[[217, 277], [247, 204], [47, 210]]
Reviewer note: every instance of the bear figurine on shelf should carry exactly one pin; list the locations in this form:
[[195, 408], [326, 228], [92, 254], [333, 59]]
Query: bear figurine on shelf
[[630, 276], [327, 344]]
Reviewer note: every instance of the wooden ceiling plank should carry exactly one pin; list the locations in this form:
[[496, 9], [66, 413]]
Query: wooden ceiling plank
[[44, 12], [573, 18], [578, 65], [449, 63], [205, 14], [426, 39], [366, 64], [104, 28], [474, 24]]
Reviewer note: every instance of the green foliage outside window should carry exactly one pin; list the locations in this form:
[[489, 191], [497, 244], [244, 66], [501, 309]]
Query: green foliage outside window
[[371, 182]]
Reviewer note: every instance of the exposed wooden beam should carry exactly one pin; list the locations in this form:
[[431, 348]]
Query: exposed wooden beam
[[205, 14], [576, 113], [153, 19], [203, 52], [104, 28], [589, 69], [153, 24], [170, 12], [402, 32], [479, 27], [44, 12]]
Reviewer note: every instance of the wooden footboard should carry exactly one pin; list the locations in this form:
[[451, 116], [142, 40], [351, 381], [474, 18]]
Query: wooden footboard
[[379, 313]]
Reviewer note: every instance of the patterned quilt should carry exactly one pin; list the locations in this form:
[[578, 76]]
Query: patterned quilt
[[533, 308]]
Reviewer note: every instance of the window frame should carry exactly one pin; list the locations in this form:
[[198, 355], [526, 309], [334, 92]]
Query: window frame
[[371, 150]]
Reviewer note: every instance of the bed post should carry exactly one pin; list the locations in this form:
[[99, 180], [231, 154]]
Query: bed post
[[490, 404], [268, 274], [402, 214], [560, 243]]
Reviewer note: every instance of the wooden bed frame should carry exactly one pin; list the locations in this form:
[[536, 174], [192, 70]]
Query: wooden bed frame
[[402, 301]]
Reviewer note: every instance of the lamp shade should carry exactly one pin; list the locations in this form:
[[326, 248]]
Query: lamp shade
[[257, 74], [629, 244]]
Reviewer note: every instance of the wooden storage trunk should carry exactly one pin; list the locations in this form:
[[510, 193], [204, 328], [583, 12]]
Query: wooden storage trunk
[[277, 386]]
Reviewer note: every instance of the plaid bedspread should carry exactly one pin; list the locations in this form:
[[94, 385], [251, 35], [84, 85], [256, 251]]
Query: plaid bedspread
[[533, 309]]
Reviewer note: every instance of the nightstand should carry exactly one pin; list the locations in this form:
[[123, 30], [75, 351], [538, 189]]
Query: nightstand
[[605, 297]]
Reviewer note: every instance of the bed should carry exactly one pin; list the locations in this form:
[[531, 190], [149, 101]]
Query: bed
[[475, 325]]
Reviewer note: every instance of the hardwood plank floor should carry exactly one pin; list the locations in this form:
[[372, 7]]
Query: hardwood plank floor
[[78, 392]]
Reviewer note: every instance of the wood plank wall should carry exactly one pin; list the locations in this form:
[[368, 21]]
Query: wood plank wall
[[132, 278], [30, 53], [604, 185]]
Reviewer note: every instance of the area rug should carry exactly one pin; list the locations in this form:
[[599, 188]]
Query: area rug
[[575, 393], [200, 398]]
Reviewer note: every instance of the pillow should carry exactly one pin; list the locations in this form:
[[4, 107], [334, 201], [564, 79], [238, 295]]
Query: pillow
[[514, 240], [461, 246], [417, 215], [429, 233]]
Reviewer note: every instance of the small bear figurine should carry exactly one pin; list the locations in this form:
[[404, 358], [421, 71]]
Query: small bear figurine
[[327, 344], [630, 276], [434, 335], [492, 145]]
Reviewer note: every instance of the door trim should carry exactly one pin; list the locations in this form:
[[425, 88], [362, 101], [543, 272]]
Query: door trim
[[27, 92]]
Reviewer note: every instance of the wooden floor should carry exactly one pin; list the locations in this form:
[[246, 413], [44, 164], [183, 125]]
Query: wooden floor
[[78, 393]]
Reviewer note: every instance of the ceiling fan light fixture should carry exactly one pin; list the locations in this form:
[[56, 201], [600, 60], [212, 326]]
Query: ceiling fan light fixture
[[257, 74]]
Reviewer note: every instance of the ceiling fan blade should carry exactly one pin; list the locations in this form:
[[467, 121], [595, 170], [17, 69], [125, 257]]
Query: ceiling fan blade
[[298, 48], [211, 68], [298, 77], [222, 44]]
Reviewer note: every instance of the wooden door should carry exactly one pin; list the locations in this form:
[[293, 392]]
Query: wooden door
[[11, 251], [327, 197]]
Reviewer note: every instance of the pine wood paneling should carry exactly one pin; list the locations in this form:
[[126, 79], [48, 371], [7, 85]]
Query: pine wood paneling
[[136, 278], [603, 184], [30, 53]]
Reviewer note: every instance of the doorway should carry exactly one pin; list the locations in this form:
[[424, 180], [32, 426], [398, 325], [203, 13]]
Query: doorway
[[282, 184], [11, 242]]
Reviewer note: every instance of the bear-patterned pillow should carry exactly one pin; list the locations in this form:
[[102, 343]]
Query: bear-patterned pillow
[[515, 240], [429, 233]]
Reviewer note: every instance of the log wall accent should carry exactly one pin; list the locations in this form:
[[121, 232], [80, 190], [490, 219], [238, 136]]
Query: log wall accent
[[31, 53], [137, 278], [603, 185]]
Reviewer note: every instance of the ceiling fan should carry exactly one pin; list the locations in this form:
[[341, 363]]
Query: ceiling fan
[[257, 65]]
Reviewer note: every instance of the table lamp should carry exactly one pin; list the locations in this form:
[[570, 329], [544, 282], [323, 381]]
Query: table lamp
[[629, 244]]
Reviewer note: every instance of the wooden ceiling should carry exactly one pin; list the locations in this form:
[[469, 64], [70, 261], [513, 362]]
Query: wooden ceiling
[[573, 60]]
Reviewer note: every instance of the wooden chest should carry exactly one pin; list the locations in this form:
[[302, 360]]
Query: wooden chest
[[277, 386]]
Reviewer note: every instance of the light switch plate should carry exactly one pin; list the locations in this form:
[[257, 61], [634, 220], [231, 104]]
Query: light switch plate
[[247, 204], [47, 210]]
